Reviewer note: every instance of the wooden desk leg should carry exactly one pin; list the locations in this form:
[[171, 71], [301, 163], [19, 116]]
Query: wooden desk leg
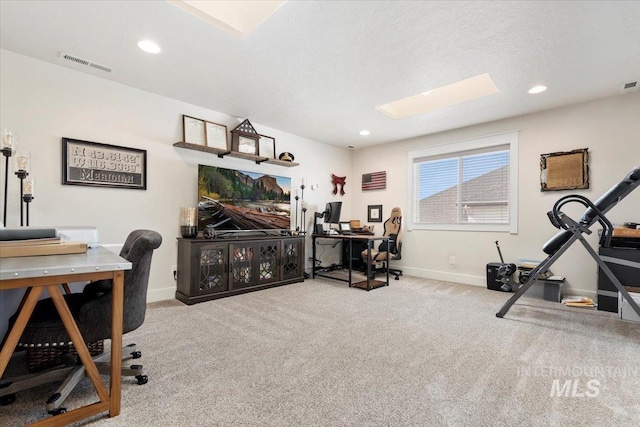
[[28, 303], [116, 342], [78, 342]]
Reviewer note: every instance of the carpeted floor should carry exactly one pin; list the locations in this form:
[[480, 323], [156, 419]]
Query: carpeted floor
[[416, 353]]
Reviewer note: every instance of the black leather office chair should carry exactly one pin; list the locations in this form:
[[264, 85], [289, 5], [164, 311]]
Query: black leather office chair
[[392, 229], [91, 310]]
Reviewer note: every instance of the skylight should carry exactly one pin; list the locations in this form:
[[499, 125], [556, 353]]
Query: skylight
[[442, 97], [237, 18]]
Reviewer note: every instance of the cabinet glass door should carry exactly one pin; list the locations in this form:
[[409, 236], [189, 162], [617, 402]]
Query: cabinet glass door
[[212, 270], [268, 262], [292, 263], [243, 270]]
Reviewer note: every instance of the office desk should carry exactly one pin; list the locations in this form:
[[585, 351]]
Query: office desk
[[349, 238], [39, 272]]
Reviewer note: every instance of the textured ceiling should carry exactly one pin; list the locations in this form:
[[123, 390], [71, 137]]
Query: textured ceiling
[[319, 69]]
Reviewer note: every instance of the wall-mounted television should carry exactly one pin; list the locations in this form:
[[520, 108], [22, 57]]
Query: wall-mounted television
[[239, 200]]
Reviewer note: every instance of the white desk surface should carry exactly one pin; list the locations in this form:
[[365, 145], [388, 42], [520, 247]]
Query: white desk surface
[[95, 259]]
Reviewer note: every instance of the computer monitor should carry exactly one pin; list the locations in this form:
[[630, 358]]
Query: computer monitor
[[330, 215], [332, 212]]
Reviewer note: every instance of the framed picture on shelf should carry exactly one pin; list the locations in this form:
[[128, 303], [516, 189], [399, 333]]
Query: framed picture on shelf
[[374, 213], [247, 145], [193, 131], [216, 135], [267, 147]]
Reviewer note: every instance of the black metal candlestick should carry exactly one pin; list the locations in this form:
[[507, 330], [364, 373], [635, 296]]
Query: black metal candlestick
[[304, 225], [6, 152], [304, 211], [21, 174], [27, 198], [296, 213]]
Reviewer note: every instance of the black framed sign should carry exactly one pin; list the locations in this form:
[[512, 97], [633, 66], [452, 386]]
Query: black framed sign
[[374, 213], [103, 165]]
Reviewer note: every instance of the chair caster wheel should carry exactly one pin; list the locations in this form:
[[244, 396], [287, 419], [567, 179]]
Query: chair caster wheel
[[142, 379], [136, 355], [499, 315], [58, 411], [7, 399], [397, 278]]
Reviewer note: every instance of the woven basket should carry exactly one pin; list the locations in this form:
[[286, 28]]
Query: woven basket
[[40, 358]]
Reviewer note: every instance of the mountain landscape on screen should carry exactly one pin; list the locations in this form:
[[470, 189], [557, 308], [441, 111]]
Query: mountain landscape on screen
[[239, 200]]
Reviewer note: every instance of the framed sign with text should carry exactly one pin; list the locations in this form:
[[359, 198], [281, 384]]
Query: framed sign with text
[[103, 165]]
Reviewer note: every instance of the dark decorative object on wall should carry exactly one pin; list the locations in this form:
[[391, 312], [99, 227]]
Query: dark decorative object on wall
[[245, 139], [374, 181], [564, 170], [374, 213], [338, 181], [103, 165]]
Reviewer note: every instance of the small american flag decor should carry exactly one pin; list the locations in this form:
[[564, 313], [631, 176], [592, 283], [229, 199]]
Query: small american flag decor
[[374, 181]]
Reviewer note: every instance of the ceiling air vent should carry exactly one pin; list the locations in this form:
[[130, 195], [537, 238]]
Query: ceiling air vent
[[85, 62], [629, 87]]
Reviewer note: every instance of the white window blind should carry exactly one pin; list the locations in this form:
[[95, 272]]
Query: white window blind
[[469, 185]]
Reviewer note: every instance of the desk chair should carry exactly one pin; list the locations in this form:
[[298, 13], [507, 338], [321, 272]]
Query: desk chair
[[392, 229], [91, 310]]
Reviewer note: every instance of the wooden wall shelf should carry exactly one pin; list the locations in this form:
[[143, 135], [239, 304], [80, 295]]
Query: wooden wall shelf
[[221, 153]]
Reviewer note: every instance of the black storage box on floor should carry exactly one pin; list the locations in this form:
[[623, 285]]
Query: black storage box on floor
[[493, 281], [626, 274]]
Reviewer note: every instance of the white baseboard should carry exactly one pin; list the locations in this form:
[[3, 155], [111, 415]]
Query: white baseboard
[[163, 294], [445, 276], [481, 280]]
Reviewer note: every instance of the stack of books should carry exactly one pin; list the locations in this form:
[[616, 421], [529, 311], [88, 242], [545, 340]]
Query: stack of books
[[35, 241], [577, 301]]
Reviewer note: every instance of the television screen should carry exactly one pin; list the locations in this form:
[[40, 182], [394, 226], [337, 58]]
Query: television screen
[[239, 200]]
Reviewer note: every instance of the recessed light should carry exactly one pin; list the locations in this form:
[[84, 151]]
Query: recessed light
[[537, 89], [364, 132], [149, 46]]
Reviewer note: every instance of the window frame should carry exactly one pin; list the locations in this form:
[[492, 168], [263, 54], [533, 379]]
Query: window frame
[[454, 149]]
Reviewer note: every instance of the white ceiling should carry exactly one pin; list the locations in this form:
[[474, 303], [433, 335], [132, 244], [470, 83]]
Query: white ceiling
[[319, 68]]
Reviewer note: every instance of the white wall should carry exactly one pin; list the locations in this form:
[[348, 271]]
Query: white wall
[[609, 128], [43, 102]]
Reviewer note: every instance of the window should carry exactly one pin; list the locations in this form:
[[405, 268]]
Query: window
[[466, 185]]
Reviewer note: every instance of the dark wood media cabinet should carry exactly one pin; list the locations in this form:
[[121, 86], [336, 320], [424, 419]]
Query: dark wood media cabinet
[[216, 268]]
